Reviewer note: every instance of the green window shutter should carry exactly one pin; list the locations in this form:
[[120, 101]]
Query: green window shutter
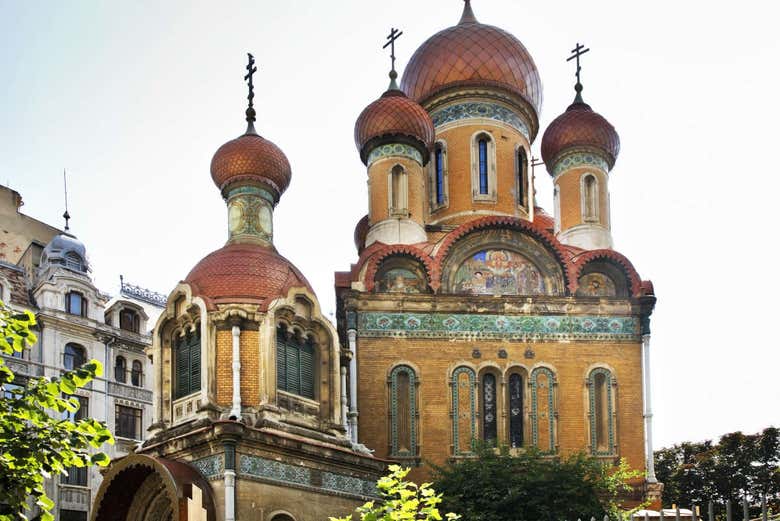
[[281, 362], [307, 370], [293, 368], [194, 347], [182, 356]]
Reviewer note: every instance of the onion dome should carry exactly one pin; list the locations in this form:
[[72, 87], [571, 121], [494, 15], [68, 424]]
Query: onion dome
[[66, 250], [251, 159], [472, 54], [580, 128], [244, 273], [361, 231], [394, 118]]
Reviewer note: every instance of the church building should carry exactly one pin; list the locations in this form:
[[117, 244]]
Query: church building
[[470, 315]]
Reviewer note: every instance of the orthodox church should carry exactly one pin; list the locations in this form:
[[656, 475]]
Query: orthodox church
[[470, 315]]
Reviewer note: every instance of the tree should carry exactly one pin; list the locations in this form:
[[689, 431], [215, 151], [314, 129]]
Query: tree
[[498, 486], [401, 501], [35, 441]]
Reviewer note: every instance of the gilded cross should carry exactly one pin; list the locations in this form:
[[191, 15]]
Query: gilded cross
[[578, 51], [392, 37], [251, 70]]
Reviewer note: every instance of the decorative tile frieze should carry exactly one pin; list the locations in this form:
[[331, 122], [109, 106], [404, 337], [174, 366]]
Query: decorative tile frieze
[[579, 159], [394, 150], [210, 466], [474, 110], [348, 484], [473, 326]]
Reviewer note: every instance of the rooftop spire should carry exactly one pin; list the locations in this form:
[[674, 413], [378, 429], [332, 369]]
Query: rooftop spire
[[468, 15], [391, 38], [250, 111], [578, 51], [66, 215]]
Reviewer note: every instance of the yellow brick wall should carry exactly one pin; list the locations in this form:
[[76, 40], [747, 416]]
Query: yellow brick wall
[[379, 174], [569, 186], [250, 367], [223, 369], [436, 358]]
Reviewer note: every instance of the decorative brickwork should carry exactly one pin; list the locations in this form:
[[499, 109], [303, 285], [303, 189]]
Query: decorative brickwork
[[472, 110]]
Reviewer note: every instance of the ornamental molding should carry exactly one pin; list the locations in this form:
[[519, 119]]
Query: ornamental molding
[[211, 467], [480, 110], [579, 159], [495, 326], [394, 150]]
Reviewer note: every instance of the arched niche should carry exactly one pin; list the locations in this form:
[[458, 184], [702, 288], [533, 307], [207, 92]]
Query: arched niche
[[401, 274], [602, 279], [501, 261]]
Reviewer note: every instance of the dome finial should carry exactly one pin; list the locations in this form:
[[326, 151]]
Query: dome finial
[[250, 111], [468, 14], [66, 215], [391, 38], [578, 51]]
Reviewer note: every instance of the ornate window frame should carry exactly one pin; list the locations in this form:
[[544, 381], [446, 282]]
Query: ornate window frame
[[522, 373], [611, 420], [181, 336], [414, 382], [304, 342], [552, 418], [439, 147], [484, 414], [456, 434], [398, 203], [492, 189], [589, 199]]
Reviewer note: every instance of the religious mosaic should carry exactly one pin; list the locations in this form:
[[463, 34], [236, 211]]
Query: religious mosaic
[[596, 285], [498, 272], [401, 280], [479, 110]]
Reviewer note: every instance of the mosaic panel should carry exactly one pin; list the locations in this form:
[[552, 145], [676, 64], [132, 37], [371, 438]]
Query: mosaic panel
[[608, 412], [348, 484], [401, 280], [210, 466], [543, 389], [480, 110], [596, 285], [468, 326], [274, 470], [464, 414], [579, 159], [394, 149], [498, 272]]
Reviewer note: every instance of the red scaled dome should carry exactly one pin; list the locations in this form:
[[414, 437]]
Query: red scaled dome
[[394, 116], [472, 54], [244, 273], [251, 158], [579, 127]]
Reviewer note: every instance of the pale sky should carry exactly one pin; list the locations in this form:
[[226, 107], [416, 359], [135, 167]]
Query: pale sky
[[133, 98]]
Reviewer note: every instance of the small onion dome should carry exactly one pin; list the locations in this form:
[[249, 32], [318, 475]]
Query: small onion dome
[[394, 117], [251, 159], [361, 231], [472, 54], [580, 127], [244, 273]]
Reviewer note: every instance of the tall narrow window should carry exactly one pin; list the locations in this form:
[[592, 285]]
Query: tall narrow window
[[295, 367], [489, 416], [136, 374], [543, 410], [482, 146], [75, 304], [120, 369], [590, 198], [73, 357], [128, 422], [403, 412], [515, 410], [398, 204], [464, 423], [602, 410], [187, 364], [439, 165], [522, 177]]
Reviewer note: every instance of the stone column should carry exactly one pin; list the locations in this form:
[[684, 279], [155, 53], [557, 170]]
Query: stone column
[[235, 411]]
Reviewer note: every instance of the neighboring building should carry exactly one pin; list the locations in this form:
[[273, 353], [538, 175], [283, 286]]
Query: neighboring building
[[77, 323], [471, 314]]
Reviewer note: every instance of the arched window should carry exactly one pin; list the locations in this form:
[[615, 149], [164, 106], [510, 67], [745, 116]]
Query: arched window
[[186, 363], [403, 412], [464, 409], [120, 369], [73, 357], [398, 192], [294, 364], [543, 414], [282, 517], [522, 178], [489, 409], [483, 167], [136, 375], [75, 304], [557, 202], [129, 320], [439, 175], [515, 402], [74, 261], [482, 146], [590, 198], [601, 400]]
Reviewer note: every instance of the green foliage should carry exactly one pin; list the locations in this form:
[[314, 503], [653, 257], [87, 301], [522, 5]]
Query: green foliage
[[498, 486], [739, 465], [401, 501], [35, 442]]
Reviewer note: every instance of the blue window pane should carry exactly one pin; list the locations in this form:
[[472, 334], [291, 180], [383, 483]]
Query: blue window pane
[[439, 177], [483, 170]]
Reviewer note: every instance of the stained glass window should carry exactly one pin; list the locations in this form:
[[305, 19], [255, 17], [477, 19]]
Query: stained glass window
[[439, 159], [515, 410], [483, 166], [489, 412], [521, 176]]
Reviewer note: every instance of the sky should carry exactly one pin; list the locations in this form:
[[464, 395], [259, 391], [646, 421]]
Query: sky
[[134, 98]]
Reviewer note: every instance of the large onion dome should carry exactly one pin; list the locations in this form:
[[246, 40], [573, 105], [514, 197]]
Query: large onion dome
[[472, 54], [251, 159], [394, 118], [580, 128], [244, 273]]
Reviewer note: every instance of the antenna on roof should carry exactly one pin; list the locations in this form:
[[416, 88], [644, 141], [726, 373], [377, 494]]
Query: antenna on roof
[[66, 215]]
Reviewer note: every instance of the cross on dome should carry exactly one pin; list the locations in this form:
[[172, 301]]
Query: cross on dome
[[392, 37], [250, 111], [578, 51]]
